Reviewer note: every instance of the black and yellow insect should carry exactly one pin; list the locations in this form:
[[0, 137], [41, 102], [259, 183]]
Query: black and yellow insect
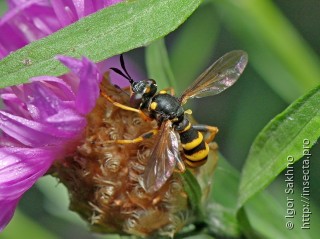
[[167, 110]]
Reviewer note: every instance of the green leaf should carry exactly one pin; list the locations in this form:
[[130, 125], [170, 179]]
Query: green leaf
[[193, 190], [221, 210], [221, 213], [111, 31], [280, 143], [264, 212], [158, 64], [222, 221], [276, 50], [246, 227]]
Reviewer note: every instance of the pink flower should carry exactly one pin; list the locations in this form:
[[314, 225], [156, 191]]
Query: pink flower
[[42, 121], [30, 20]]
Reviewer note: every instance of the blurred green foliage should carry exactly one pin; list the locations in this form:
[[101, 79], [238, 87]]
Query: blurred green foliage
[[281, 38]]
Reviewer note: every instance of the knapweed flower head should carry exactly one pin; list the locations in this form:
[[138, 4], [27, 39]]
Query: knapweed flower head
[[103, 178], [41, 122], [30, 20]]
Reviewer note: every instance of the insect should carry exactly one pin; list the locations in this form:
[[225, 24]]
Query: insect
[[172, 121]]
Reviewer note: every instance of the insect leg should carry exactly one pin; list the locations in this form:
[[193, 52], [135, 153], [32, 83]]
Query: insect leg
[[142, 137], [124, 107], [207, 129], [180, 167]]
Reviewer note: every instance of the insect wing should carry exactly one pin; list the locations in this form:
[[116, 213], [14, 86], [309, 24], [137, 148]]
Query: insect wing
[[219, 76], [163, 159]]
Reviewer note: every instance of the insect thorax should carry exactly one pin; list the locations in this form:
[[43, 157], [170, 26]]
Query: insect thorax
[[166, 107]]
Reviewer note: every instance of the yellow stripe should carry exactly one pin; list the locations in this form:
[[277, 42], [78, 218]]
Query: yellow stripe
[[194, 143], [185, 129], [195, 164], [162, 92], [201, 154]]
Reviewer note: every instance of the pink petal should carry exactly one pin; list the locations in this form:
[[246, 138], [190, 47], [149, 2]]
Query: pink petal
[[35, 134], [59, 86], [65, 11], [90, 77], [19, 170], [83, 8], [108, 3], [7, 211], [22, 23]]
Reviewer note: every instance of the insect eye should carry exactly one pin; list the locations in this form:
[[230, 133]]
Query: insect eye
[[135, 100], [139, 87], [145, 87]]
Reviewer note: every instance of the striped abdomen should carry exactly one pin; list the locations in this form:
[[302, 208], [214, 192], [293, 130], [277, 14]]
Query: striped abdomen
[[195, 149]]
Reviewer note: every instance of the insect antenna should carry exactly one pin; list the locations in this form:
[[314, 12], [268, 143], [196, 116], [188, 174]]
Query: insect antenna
[[126, 75], [124, 66], [116, 70], [122, 91]]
